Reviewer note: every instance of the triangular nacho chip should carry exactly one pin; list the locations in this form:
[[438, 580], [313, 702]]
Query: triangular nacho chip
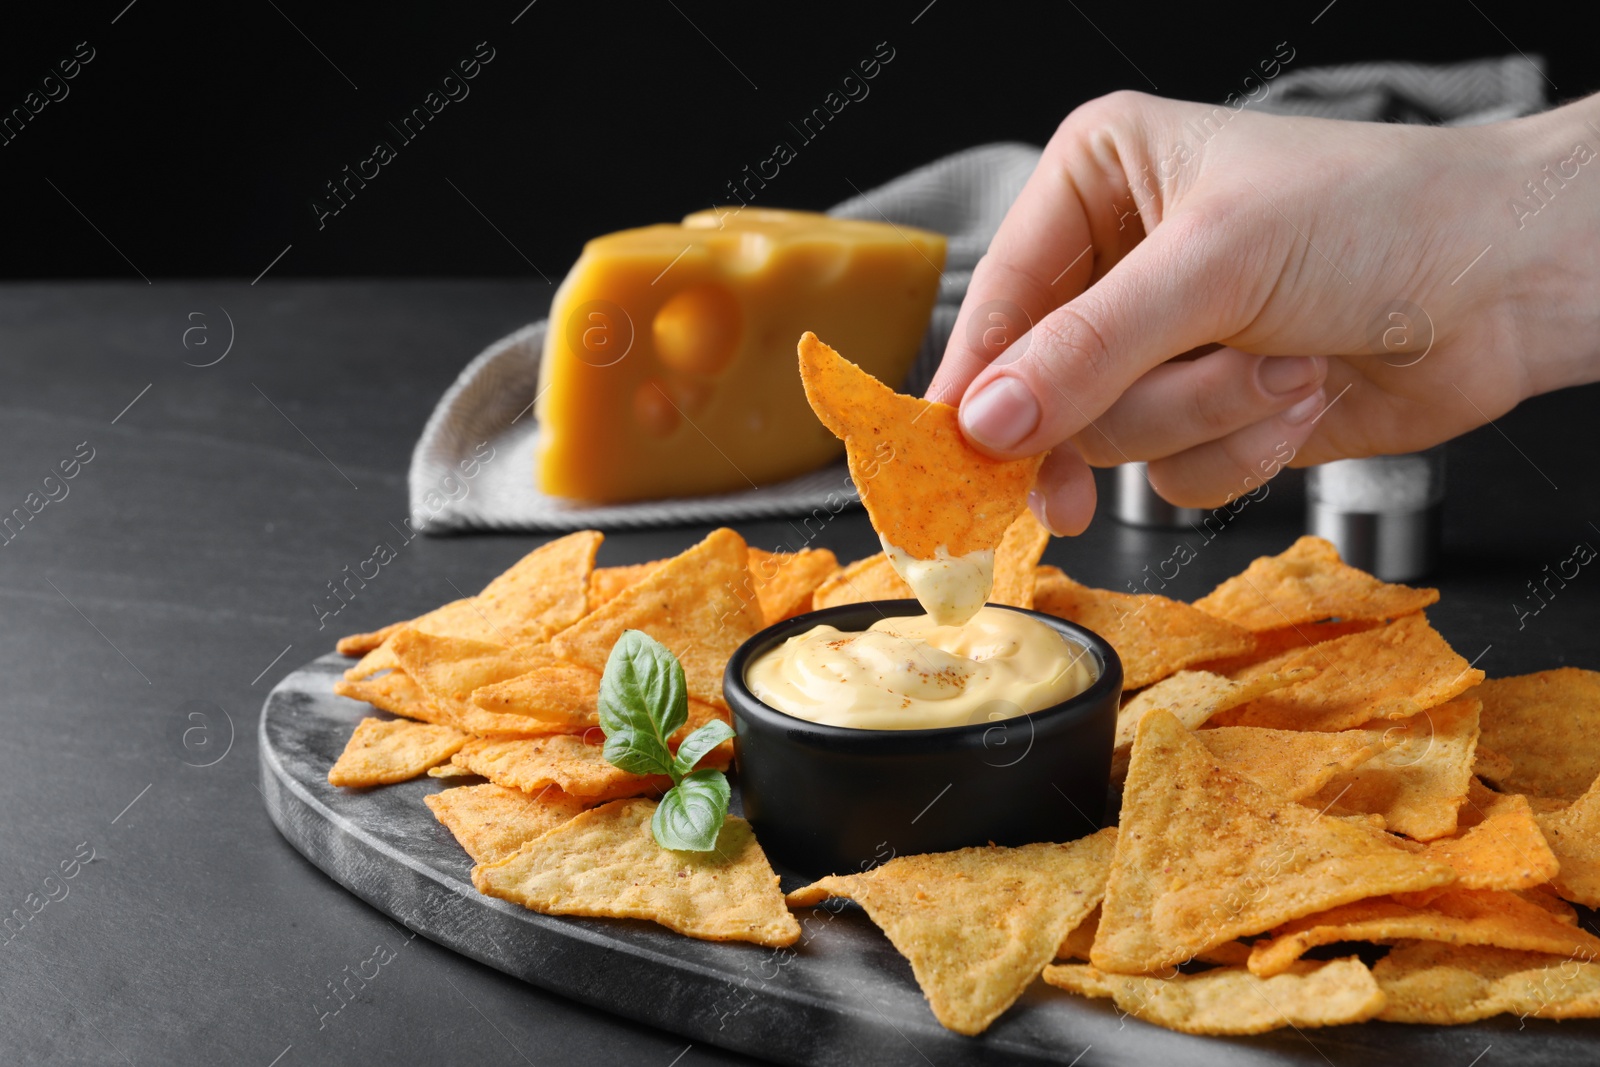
[[1574, 836], [925, 488], [1391, 672], [560, 694], [543, 592], [1457, 916], [1153, 636], [1291, 763], [1270, 643], [491, 821], [459, 618], [978, 924], [1429, 982], [1498, 845], [1231, 1000], [448, 670], [395, 693], [1307, 583], [873, 578], [361, 644], [382, 751], [1016, 560], [1548, 726], [1205, 855], [696, 604], [566, 761], [784, 581], [1194, 697], [605, 863], [607, 582], [1419, 781]]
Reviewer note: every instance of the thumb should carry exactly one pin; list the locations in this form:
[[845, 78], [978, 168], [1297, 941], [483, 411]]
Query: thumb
[[1172, 293]]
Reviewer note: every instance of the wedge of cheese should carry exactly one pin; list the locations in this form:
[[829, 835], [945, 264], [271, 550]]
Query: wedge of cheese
[[669, 366]]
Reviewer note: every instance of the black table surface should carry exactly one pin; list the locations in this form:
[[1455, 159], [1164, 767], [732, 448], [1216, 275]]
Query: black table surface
[[149, 609]]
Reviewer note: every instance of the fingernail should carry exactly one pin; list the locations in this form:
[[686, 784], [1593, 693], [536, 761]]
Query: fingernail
[[1040, 506], [1002, 414], [1306, 410], [1285, 374]]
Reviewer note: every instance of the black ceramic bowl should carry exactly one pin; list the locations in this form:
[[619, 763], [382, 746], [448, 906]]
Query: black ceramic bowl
[[836, 800]]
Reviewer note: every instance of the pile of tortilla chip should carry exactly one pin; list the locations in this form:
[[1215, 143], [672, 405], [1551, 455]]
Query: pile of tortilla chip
[[1303, 789], [1327, 815], [501, 690], [1347, 784]]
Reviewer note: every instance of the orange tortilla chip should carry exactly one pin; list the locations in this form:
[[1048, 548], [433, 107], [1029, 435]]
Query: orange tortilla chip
[[543, 592], [925, 488], [607, 582], [1548, 726], [1290, 763], [605, 863], [1488, 764], [1016, 559], [361, 644], [785, 581], [978, 924], [1392, 672], [395, 693], [1270, 643], [1429, 982], [1457, 916], [1231, 1000], [382, 751], [491, 821], [1080, 939], [1500, 845], [873, 578], [560, 694], [1205, 855], [1194, 697], [1307, 583], [1419, 781], [449, 669], [565, 761], [1574, 836], [1153, 636], [696, 604]]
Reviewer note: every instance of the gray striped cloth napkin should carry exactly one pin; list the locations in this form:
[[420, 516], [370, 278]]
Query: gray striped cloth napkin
[[473, 467]]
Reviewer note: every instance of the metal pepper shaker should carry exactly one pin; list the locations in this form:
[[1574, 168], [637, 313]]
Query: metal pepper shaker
[[1136, 503]]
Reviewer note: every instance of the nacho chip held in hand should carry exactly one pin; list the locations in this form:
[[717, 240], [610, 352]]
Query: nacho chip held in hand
[[931, 496]]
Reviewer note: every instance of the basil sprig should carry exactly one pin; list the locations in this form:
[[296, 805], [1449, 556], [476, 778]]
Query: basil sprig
[[644, 701]]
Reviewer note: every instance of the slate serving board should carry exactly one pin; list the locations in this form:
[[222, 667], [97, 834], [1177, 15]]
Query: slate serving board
[[842, 995]]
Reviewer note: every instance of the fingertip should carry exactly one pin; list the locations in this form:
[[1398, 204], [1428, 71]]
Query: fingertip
[[999, 414], [1063, 497]]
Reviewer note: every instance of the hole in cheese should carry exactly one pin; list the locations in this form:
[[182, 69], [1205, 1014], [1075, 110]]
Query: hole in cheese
[[697, 331], [653, 410]]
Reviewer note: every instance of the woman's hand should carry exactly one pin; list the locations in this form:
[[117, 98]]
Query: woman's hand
[[1216, 292]]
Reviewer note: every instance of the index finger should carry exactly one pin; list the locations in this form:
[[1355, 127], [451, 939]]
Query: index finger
[[1074, 218]]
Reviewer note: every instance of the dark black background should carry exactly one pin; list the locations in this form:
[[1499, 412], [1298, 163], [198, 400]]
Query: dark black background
[[198, 137]]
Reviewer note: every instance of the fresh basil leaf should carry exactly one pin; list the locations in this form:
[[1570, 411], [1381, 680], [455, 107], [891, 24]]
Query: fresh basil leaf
[[643, 699], [691, 815], [697, 744]]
